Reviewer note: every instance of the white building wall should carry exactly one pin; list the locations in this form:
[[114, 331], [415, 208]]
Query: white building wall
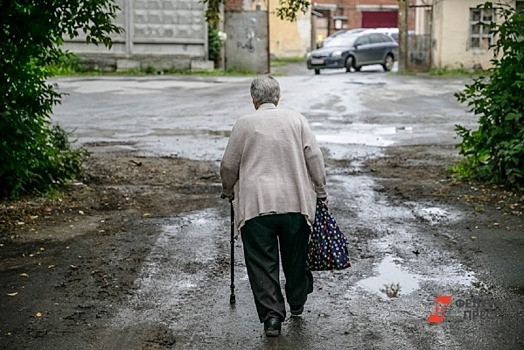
[[455, 32], [450, 36]]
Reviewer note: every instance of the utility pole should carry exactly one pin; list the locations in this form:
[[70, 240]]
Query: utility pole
[[268, 39], [403, 64]]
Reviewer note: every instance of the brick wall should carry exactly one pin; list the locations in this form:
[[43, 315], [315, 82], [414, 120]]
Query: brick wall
[[349, 9], [352, 9], [234, 5]]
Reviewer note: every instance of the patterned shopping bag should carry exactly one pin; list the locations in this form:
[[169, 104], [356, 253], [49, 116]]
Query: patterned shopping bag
[[327, 249]]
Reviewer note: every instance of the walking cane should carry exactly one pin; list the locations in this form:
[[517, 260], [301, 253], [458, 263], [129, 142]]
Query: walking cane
[[232, 296]]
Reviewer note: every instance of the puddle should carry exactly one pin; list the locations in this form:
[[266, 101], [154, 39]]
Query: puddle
[[392, 281], [370, 135], [435, 215], [411, 260], [175, 268], [190, 132], [355, 138]]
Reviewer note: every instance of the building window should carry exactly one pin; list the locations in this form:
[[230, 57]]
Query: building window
[[520, 6], [479, 28]]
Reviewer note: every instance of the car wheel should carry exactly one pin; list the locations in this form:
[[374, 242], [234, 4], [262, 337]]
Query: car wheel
[[358, 68], [349, 64], [317, 71], [388, 63]]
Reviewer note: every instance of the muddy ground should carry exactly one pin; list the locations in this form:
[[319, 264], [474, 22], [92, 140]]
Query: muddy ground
[[67, 262]]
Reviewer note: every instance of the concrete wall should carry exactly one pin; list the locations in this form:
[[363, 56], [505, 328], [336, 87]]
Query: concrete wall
[[286, 38], [247, 46], [161, 33]]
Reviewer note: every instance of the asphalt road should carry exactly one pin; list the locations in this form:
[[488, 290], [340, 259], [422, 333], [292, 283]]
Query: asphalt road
[[356, 117]]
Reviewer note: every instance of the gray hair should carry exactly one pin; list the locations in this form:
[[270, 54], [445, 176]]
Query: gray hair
[[265, 89]]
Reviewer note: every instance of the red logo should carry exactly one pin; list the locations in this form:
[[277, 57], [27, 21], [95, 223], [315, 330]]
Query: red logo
[[437, 315]]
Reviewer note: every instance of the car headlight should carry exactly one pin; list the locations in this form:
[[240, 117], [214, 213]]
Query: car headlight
[[336, 54]]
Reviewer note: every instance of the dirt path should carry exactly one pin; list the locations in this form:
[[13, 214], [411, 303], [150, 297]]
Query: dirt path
[[66, 264]]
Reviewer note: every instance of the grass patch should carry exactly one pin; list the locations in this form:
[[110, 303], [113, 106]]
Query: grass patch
[[73, 67], [279, 62], [461, 71]]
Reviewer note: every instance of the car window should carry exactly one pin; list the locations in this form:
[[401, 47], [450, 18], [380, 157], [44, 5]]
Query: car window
[[341, 40], [377, 38], [389, 37], [363, 40]]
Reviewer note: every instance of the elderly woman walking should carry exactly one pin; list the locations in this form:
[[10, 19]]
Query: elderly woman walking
[[273, 171]]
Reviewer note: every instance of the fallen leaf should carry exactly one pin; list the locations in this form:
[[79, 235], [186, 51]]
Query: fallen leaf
[[24, 275], [51, 266], [147, 214], [38, 314], [12, 294]]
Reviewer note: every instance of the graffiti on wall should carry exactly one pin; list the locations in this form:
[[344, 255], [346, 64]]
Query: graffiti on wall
[[248, 41], [247, 47]]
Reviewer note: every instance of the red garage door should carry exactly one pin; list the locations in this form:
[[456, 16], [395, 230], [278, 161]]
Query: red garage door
[[379, 19]]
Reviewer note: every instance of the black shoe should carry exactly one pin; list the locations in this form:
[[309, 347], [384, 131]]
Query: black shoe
[[296, 310], [272, 327]]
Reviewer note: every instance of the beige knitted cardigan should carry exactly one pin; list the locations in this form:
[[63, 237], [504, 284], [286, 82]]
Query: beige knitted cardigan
[[272, 163]]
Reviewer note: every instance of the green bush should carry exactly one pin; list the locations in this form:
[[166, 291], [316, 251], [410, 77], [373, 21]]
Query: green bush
[[214, 45], [495, 151], [35, 155], [69, 64]]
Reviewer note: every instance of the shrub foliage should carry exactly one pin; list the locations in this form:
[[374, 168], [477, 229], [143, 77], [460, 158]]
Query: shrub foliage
[[34, 153], [495, 151]]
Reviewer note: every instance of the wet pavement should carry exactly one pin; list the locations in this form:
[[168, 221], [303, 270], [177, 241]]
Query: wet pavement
[[401, 251], [192, 116]]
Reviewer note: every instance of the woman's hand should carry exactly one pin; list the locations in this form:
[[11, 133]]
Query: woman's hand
[[230, 197]]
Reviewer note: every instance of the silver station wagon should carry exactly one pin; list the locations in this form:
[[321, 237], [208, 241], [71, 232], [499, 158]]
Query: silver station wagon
[[355, 50]]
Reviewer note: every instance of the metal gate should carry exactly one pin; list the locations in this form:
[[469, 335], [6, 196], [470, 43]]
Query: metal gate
[[419, 36], [419, 52], [247, 44]]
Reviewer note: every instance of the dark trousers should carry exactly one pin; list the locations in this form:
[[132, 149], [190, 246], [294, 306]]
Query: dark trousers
[[261, 237]]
